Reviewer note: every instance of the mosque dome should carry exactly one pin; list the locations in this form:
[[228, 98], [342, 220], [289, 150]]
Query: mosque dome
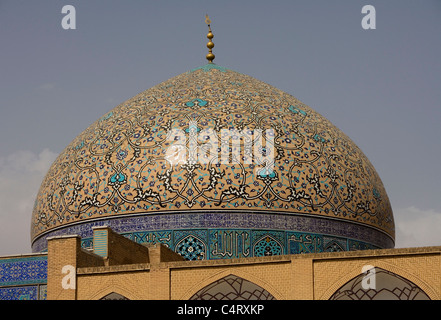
[[216, 164]]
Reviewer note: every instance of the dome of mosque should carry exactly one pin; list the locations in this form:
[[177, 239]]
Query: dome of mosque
[[216, 164]]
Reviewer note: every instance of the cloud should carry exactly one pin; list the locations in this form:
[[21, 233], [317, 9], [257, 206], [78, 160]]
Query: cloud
[[21, 174], [417, 228]]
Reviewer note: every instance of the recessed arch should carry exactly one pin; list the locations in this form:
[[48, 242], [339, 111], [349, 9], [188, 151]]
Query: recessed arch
[[382, 285], [207, 281], [114, 296], [232, 287], [349, 272], [110, 290]]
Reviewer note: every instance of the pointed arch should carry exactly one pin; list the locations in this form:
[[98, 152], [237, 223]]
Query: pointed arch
[[114, 296], [113, 290], [237, 276], [383, 285], [232, 287], [192, 247], [353, 271], [333, 246], [267, 246]]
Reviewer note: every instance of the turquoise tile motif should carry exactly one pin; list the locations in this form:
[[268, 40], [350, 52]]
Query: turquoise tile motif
[[208, 67], [23, 271], [202, 244], [23, 278], [19, 293]]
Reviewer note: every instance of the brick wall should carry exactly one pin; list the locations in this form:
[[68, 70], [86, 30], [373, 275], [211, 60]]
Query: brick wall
[[155, 272]]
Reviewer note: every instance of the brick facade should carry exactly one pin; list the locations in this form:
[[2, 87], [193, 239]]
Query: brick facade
[[155, 272]]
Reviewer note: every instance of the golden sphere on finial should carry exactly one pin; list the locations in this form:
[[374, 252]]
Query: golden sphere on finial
[[210, 45], [210, 57]]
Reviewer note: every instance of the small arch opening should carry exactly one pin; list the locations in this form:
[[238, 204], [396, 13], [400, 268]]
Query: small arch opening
[[232, 287], [379, 284], [114, 296]]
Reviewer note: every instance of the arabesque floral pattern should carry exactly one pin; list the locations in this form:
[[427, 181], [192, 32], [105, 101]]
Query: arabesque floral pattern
[[119, 166]]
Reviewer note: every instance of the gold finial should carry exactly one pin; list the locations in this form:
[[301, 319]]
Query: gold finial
[[210, 44]]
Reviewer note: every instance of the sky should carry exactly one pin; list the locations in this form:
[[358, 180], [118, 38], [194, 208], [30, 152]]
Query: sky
[[381, 87]]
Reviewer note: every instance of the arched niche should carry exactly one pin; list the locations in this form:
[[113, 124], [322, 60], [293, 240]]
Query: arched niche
[[379, 284], [114, 296], [232, 287]]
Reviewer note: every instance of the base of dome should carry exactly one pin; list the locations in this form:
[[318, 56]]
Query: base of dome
[[219, 235]]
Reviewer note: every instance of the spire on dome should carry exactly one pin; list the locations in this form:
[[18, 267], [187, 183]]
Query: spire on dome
[[210, 44]]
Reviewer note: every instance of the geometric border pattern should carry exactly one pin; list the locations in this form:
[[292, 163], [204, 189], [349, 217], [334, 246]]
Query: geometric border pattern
[[214, 244], [298, 232]]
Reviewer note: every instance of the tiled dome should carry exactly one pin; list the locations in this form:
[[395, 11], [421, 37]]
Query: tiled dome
[[144, 170]]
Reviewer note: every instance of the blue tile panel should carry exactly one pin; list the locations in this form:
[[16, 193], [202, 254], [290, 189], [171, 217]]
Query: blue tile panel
[[36, 292], [23, 270], [200, 244], [23, 278]]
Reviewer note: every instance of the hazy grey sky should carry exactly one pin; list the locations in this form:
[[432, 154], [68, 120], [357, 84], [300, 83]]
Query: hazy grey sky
[[381, 87]]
